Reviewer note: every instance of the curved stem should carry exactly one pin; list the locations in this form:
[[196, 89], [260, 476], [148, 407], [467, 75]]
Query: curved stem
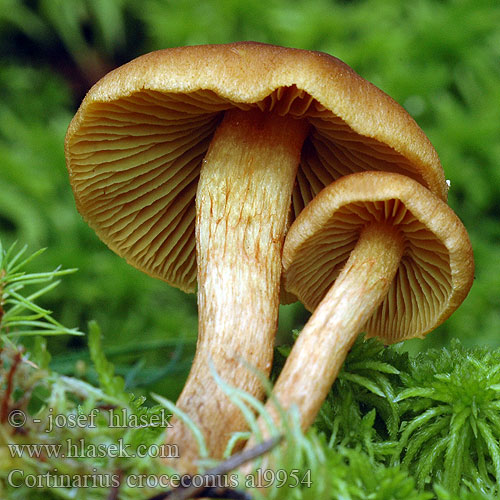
[[242, 203], [323, 344]]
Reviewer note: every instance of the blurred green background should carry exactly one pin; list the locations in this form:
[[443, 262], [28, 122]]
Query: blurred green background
[[440, 59]]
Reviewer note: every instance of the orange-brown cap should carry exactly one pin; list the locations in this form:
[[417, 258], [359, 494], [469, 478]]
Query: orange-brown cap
[[135, 147], [435, 272]]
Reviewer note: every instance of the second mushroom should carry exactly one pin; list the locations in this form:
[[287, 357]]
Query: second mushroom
[[374, 252]]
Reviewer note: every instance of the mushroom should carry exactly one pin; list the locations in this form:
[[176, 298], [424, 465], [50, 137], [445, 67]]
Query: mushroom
[[186, 162], [374, 252]]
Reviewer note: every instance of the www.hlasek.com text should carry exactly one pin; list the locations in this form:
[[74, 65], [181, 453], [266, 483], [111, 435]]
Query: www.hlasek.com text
[[81, 449]]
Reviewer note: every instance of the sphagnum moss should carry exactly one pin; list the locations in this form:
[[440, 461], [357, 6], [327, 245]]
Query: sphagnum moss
[[451, 420]]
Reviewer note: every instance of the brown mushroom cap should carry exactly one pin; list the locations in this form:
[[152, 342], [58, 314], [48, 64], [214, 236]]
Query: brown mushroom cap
[[435, 272], [135, 147]]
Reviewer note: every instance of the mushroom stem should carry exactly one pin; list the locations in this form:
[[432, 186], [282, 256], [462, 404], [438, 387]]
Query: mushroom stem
[[323, 344], [242, 205]]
